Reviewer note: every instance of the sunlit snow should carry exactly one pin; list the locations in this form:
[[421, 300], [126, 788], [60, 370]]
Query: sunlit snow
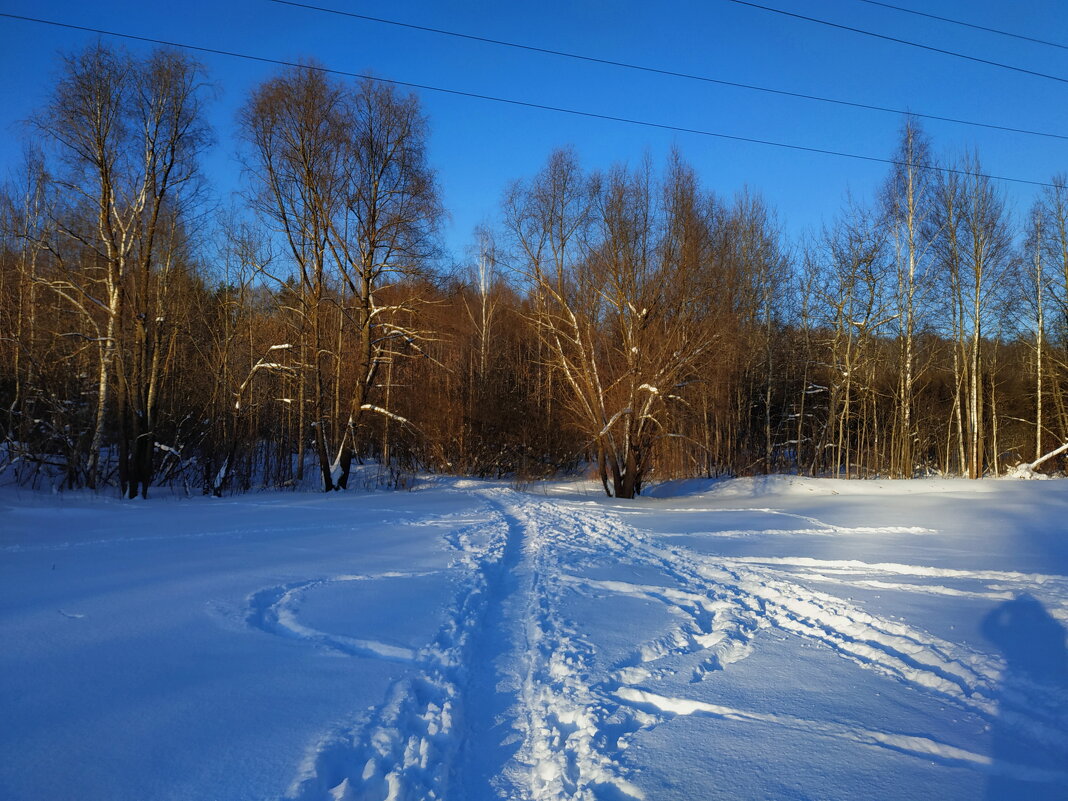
[[777, 638]]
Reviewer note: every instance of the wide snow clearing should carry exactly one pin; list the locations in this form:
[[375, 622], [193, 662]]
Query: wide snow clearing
[[751, 639]]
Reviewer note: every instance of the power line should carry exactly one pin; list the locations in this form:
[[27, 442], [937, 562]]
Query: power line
[[660, 71], [884, 37], [511, 101], [964, 24]]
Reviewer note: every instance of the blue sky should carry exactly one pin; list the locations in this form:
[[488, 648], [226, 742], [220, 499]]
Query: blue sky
[[478, 147]]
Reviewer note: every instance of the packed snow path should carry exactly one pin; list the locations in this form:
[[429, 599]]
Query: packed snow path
[[573, 719], [756, 641]]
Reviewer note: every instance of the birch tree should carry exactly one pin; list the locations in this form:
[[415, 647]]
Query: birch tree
[[1053, 208], [854, 299], [986, 252], [948, 230], [293, 124], [385, 234], [128, 133], [342, 173], [907, 204], [25, 225], [1036, 292]]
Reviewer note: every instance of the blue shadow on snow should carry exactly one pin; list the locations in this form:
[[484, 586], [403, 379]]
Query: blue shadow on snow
[[1031, 731]]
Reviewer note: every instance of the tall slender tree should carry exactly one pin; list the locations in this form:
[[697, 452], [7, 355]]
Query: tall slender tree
[[907, 202], [128, 134]]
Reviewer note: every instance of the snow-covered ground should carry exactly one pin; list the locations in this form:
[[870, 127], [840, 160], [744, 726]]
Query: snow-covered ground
[[750, 639]]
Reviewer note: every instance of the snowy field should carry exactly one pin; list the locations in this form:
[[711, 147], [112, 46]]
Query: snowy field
[[749, 639]]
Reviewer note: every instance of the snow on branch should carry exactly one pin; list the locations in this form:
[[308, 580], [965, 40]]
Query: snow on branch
[[1028, 470], [262, 365], [612, 421], [379, 410]]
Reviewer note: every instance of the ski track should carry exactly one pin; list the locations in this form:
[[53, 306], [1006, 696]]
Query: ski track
[[721, 605], [815, 525], [566, 751], [572, 721], [405, 748]]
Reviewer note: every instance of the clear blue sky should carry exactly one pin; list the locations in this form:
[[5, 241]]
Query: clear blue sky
[[478, 147]]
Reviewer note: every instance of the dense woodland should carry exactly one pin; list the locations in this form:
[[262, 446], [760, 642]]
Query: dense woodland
[[631, 322]]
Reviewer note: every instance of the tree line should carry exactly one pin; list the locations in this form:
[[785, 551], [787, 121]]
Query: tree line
[[629, 320]]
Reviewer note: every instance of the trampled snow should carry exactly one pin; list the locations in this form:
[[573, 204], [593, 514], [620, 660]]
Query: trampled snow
[[777, 638]]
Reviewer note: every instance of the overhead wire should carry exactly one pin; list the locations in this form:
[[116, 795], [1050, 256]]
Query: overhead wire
[[964, 24], [512, 101], [663, 71], [897, 40]]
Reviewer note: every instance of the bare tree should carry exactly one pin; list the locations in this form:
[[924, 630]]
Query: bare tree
[[615, 271], [294, 124], [855, 308], [985, 257], [751, 253], [25, 225], [948, 231], [391, 211], [1054, 210], [907, 200], [1036, 293], [128, 133], [343, 175], [484, 275]]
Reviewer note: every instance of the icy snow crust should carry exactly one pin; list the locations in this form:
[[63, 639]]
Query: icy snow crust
[[775, 638]]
